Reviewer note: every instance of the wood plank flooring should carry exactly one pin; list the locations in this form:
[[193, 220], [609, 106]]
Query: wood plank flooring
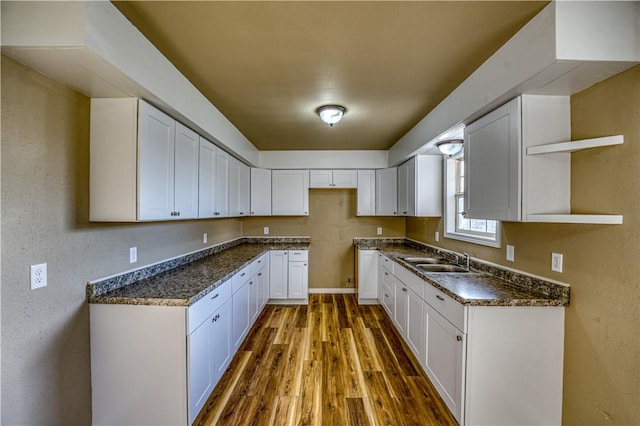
[[329, 363]]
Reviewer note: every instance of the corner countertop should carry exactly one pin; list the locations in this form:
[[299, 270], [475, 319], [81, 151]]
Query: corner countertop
[[185, 280], [486, 285]]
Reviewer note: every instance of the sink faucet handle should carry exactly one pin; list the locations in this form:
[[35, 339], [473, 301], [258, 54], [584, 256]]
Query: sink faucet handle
[[467, 260]]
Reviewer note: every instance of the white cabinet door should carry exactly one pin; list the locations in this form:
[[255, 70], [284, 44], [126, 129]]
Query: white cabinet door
[[278, 274], [240, 323], [207, 179], [187, 147], [401, 308], [492, 147], [320, 179], [298, 280], [345, 179], [426, 198], [290, 192], [403, 188], [260, 192], [234, 187], [367, 274], [201, 374], [444, 359], [244, 203], [254, 299], [388, 292], [156, 146], [263, 279], [415, 325], [222, 183], [221, 330], [366, 204], [387, 192]]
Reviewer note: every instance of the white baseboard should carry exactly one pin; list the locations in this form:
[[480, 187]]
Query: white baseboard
[[332, 291]]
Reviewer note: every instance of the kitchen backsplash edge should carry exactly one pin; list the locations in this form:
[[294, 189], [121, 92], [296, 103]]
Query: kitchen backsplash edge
[[104, 285]]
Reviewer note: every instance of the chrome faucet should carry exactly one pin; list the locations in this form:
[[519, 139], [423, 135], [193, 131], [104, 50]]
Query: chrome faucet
[[467, 261]]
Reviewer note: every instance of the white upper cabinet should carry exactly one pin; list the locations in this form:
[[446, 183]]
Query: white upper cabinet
[[207, 181], [518, 163], [156, 168], [366, 203], [290, 192], [333, 179], [214, 185], [260, 192], [387, 192], [420, 186], [234, 187], [222, 183], [244, 195], [144, 165], [187, 147]]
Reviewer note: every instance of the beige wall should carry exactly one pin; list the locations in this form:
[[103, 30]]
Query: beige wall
[[602, 332], [44, 174], [332, 224]]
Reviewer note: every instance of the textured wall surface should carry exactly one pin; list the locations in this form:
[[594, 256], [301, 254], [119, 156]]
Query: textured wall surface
[[45, 208], [332, 224], [602, 331]]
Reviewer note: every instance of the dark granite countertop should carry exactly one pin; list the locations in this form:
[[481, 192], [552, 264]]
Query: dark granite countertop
[[183, 281], [486, 285]]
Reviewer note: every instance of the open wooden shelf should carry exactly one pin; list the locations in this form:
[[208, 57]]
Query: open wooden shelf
[[575, 145]]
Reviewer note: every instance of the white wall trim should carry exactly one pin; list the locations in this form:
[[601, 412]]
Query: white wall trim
[[332, 291], [353, 159]]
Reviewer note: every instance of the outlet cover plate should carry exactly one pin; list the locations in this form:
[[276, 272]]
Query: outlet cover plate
[[133, 254], [38, 276], [510, 253], [556, 262], [379, 230]]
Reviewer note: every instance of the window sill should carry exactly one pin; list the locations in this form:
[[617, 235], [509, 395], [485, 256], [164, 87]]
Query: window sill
[[473, 239]]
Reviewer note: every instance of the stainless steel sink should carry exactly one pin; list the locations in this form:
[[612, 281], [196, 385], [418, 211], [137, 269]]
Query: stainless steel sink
[[423, 260], [440, 268]]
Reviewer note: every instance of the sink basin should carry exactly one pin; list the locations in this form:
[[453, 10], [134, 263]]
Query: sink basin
[[423, 260], [440, 268]]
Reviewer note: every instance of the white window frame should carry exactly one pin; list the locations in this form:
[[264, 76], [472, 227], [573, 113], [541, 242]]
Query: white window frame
[[450, 200]]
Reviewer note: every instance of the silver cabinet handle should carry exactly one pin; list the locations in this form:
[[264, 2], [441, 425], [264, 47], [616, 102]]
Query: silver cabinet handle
[[216, 318], [260, 274], [243, 274], [459, 338], [215, 295], [439, 297], [250, 282], [404, 289], [386, 295]]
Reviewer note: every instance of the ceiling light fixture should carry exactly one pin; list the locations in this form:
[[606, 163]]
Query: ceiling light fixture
[[450, 147], [331, 114]]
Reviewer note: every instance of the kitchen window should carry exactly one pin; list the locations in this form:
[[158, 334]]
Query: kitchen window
[[458, 227]]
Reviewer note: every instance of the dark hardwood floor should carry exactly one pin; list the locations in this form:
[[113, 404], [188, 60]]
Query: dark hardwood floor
[[329, 363]]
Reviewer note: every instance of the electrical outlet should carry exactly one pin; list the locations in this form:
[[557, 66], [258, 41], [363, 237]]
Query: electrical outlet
[[133, 254], [510, 253], [379, 230], [205, 238], [266, 230], [556, 262], [38, 276], [437, 236]]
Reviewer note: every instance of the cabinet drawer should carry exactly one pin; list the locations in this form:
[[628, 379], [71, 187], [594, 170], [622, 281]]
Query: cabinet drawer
[[411, 280], [241, 277], [388, 263], [298, 255], [259, 263], [199, 311], [451, 310]]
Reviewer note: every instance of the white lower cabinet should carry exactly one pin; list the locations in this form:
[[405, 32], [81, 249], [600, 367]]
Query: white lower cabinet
[[444, 359], [159, 364], [367, 276], [490, 364], [289, 276]]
